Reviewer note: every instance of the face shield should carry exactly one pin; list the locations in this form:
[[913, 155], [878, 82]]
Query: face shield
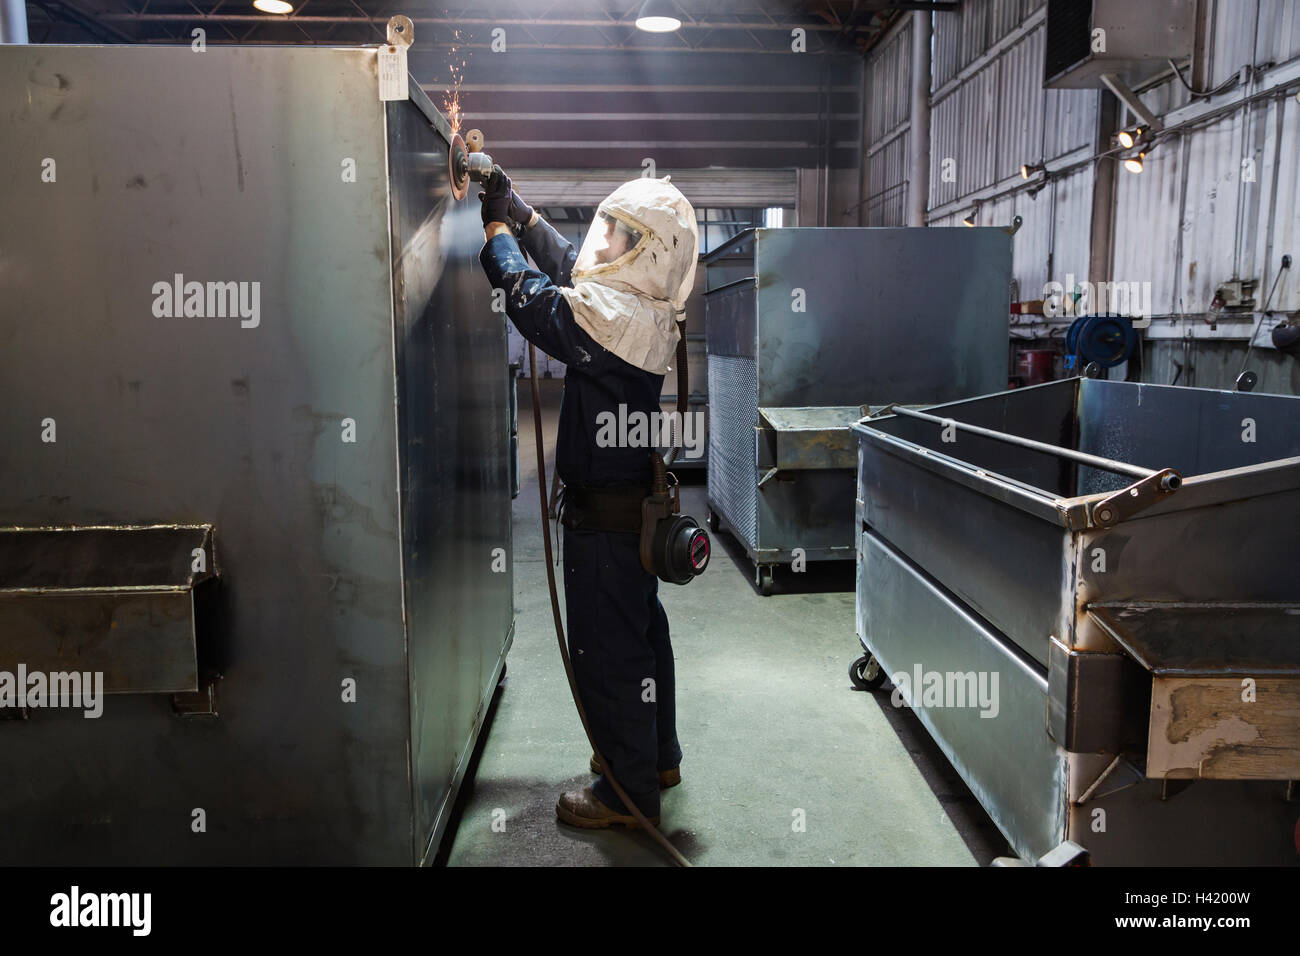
[[612, 242]]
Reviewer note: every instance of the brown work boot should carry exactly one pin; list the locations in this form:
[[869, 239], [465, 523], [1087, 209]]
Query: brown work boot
[[667, 778], [581, 808]]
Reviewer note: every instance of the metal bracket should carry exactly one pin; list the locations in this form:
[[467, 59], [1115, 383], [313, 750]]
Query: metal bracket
[[401, 31], [200, 703], [1116, 85], [1136, 497], [1120, 763]]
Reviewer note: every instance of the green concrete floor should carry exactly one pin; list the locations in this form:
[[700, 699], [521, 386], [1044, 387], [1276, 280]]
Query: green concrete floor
[[768, 722]]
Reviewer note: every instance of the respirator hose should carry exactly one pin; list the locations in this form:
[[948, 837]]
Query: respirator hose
[[671, 850]]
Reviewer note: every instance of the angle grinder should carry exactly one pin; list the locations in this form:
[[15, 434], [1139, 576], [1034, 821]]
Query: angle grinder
[[466, 162]]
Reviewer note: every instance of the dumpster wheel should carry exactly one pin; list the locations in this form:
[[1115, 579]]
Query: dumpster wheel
[[866, 673]]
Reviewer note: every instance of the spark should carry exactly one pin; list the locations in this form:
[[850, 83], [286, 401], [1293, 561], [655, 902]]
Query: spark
[[451, 99]]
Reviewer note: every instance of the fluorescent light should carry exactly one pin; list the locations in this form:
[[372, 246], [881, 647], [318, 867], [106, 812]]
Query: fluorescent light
[[658, 24], [273, 6], [658, 16]]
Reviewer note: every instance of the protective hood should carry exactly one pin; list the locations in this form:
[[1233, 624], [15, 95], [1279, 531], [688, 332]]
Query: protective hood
[[635, 271]]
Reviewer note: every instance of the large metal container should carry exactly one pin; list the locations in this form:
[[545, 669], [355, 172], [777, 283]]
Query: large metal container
[[1139, 637], [805, 328], [325, 599]]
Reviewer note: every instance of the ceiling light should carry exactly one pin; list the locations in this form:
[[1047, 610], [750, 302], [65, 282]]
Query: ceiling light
[[1128, 138], [273, 6], [658, 16], [1134, 163]]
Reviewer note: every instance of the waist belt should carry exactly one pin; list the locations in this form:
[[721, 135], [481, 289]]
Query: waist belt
[[591, 508]]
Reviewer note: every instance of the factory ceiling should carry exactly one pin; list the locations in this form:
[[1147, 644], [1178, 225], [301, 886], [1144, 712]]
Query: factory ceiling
[[574, 83]]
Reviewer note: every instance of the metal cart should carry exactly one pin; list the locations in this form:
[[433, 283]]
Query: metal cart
[[1116, 562], [806, 327]]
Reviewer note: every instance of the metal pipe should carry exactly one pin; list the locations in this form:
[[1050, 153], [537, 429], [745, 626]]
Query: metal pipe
[[13, 21], [1083, 458], [918, 189], [780, 26]]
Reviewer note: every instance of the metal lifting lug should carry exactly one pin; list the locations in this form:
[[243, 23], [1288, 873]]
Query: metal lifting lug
[[1136, 497]]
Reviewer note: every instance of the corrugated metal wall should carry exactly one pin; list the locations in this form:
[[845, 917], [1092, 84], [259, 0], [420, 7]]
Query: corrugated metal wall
[[1218, 198], [888, 145], [990, 114]]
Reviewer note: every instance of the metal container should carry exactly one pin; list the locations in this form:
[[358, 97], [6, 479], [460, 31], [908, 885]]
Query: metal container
[[1114, 561], [807, 327], [300, 511]]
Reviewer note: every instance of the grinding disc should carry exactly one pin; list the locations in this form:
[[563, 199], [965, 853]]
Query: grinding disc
[[457, 159]]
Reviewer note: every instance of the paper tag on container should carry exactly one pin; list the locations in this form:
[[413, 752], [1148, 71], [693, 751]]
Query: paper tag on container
[[392, 74]]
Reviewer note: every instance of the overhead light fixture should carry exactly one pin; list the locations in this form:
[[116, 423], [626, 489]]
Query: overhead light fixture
[[1134, 163], [1032, 169], [658, 16], [1128, 138], [970, 219], [273, 6]]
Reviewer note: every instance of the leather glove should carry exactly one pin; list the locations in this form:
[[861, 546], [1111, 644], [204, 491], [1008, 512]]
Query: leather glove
[[495, 197], [520, 212]]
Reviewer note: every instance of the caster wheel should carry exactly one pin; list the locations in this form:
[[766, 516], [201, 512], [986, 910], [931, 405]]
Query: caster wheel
[[866, 673], [715, 523], [766, 579]]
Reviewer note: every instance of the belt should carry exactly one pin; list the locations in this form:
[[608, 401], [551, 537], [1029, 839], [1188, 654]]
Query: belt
[[603, 508]]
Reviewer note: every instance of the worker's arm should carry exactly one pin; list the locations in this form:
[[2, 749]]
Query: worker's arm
[[535, 305], [553, 253]]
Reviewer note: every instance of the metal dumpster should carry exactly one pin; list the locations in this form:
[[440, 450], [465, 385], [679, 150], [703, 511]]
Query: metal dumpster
[[1086, 590], [256, 459], [807, 326]]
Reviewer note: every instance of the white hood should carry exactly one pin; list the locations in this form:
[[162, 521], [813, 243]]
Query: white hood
[[631, 306]]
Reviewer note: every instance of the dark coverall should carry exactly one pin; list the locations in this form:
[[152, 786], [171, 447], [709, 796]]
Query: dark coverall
[[618, 632]]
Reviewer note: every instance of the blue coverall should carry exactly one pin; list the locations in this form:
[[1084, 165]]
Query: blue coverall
[[618, 632]]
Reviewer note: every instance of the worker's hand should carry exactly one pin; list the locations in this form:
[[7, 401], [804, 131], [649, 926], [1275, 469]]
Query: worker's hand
[[495, 197], [520, 211]]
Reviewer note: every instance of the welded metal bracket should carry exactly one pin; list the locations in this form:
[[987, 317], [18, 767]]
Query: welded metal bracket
[[1064, 854], [1126, 775], [199, 703], [401, 31], [1137, 497]]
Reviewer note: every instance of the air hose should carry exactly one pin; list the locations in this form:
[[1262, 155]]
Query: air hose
[[650, 828]]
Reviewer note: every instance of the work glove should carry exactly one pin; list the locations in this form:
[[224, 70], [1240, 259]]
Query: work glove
[[495, 197], [520, 212]]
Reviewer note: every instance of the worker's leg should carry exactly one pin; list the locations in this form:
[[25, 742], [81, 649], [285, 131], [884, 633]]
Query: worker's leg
[[670, 751], [606, 602]]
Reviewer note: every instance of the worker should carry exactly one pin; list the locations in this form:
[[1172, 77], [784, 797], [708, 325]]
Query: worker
[[610, 313]]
